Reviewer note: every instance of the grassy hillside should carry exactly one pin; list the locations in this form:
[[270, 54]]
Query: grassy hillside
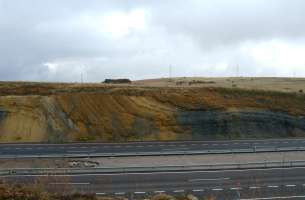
[[52, 112]]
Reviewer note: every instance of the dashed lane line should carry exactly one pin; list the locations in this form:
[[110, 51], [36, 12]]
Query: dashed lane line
[[254, 187], [119, 193], [290, 185], [198, 190], [140, 192], [217, 189], [236, 188], [178, 191], [272, 186]]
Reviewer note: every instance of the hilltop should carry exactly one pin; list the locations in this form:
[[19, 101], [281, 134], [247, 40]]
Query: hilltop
[[158, 109]]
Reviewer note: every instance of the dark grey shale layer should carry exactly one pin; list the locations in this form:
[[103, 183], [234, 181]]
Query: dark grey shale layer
[[241, 124]]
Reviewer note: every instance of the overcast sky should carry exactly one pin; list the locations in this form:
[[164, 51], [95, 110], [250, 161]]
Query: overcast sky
[[57, 40]]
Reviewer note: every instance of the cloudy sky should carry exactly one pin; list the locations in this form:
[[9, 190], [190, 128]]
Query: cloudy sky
[[58, 40]]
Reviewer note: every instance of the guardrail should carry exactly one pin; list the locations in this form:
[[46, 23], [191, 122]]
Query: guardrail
[[158, 153], [168, 168]]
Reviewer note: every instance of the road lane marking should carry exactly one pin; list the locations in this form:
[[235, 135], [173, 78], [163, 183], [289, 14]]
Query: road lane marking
[[198, 190], [119, 193], [217, 189], [159, 191], [254, 187], [236, 188], [178, 191], [272, 186], [290, 185], [140, 192]]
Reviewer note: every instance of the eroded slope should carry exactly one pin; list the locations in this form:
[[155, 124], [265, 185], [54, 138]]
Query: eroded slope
[[71, 112]]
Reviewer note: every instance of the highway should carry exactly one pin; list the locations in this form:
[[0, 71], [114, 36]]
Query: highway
[[232, 184], [149, 148], [245, 184]]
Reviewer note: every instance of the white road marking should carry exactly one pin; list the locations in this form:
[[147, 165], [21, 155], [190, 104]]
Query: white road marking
[[217, 189], [160, 191], [266, 198], [140, 192], [198, 190], [290, 185], [177, 191], [119, 193], [254, 187], [272, 186], [236, 188]]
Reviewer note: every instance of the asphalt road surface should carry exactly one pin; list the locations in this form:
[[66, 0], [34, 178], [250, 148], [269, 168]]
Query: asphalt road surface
[[232, 184], [144, 147]]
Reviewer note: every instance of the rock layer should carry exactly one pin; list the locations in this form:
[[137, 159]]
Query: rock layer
[[63, 113]]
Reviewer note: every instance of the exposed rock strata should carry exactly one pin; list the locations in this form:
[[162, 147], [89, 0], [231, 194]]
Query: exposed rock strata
[[52, 113]]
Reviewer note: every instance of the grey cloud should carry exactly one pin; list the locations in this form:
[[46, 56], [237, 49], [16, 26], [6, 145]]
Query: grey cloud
[[194, 36]]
